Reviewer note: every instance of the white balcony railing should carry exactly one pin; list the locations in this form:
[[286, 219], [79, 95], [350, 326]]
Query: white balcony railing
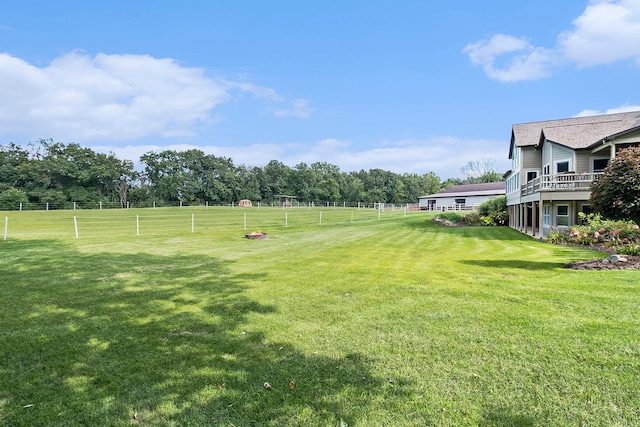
[[570, 181]]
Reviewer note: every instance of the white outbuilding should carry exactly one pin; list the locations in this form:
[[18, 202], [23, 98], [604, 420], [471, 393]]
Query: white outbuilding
[[462, 197]]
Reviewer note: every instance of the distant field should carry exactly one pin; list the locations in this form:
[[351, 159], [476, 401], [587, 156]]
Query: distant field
[[353, 317]]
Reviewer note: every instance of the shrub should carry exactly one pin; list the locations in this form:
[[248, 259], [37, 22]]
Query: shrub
[[472, 219], [558, 236], [494, 211], [487, 221], [450, 217], [619, 236], [495, 204]]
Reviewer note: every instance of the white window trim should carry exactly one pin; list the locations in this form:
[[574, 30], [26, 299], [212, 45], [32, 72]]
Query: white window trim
[[537, 172], [546, 215], [592, 159], [568, 215], [569, 165]]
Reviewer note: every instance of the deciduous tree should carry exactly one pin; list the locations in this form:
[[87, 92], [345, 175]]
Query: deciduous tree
[[616, 194]]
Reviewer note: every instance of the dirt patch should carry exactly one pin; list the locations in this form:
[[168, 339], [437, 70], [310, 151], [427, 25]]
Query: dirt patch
[[633, 262]]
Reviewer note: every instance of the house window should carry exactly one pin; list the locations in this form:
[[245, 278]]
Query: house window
[[545, 170], [461, 201], [600, 164], [562, 216], [531, 175], [562, 167], [545, 215], [586, 209]]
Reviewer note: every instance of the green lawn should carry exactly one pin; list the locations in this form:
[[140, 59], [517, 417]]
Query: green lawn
[[378, 320]]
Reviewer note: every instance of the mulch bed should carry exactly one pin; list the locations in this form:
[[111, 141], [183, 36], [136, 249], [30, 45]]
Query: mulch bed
[[633, 262]]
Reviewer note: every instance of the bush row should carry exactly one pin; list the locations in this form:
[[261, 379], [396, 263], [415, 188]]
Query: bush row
[[490, 213], [618, 236]]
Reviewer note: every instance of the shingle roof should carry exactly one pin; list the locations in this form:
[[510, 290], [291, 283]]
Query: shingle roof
[[486, 189], [577, 132]]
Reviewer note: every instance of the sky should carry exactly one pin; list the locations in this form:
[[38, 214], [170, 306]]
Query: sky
[[408, 86]]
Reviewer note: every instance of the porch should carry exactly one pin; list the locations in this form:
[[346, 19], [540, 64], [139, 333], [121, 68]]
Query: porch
[[569, 181]]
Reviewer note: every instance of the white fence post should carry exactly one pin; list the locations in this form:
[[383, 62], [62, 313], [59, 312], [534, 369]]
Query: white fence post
[[6, 226], [75, 225]]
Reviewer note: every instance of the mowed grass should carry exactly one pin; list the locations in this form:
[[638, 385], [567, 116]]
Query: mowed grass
[[361, 320]]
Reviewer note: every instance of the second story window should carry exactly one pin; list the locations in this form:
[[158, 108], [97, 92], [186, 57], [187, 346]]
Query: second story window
[[562, 167], [600, 164]]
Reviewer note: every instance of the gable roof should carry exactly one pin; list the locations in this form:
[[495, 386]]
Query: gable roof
[[576, 132], [467, 190]]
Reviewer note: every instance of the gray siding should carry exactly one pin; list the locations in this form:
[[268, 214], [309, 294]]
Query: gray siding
[[546, 154], [551, 153], [561, 153], [583, 161], [531, 158], [633, 137]]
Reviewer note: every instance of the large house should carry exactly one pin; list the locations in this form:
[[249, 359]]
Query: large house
[[553, 165], [461, 197]]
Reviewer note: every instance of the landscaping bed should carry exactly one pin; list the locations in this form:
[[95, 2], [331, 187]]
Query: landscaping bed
[[632, 262]]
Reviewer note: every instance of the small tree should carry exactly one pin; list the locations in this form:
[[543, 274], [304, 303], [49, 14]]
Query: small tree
[[480, 172], [494, 211], [11, 198], [616, 194]]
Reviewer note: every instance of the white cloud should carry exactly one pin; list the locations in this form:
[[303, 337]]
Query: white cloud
[[621, 109], [607, 31], [298, 108], [444, 155], [81, 98], [486, 51], [525, 62], [113, 97], [257, 91]]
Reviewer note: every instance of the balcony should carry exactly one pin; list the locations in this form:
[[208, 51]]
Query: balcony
[[569, 181]]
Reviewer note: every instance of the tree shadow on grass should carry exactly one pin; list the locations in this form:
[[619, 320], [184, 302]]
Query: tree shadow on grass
[[502, 417], [519, 264], [116, 339], [477, 232]]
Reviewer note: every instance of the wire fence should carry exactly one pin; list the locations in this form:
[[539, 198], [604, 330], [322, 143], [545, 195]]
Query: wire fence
[[104, 205], [177, 221]]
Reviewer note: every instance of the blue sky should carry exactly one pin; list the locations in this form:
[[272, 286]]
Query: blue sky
[[406, 86]]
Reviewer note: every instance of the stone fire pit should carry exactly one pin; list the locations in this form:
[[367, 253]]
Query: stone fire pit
[[255, 235]]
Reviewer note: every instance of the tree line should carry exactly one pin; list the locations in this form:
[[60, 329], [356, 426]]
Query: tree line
[[59, 175]]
